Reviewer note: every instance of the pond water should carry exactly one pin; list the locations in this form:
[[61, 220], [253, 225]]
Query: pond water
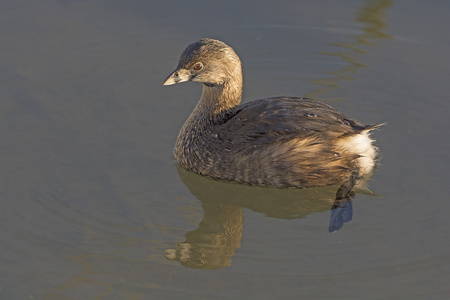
[[94, 206]]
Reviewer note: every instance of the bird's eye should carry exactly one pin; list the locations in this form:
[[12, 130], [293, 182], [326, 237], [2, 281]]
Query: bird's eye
[[198, 66]]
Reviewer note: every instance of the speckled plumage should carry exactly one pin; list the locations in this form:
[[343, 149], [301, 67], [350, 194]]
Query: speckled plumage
[[281, 141]]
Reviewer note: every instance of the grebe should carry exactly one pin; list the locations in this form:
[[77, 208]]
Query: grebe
[[281, 141]]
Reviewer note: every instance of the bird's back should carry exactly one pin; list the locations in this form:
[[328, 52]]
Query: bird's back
[[283, 142]]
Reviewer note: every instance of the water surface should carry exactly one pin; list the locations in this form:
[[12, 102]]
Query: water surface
[[94, 207]]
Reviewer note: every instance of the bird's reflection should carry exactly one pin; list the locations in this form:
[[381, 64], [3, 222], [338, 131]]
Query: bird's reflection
[[219, 233], [212, 244]]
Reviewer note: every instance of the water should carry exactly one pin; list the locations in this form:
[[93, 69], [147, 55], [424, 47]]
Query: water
[[94, 207]]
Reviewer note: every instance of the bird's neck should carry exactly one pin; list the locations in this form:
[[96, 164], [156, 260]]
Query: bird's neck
[[218, 98], [215, 103]]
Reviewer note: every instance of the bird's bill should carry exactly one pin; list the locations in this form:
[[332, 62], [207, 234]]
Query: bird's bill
[[178, 76]]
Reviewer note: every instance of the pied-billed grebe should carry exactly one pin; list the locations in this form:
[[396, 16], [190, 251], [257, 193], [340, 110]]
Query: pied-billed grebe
[[281, 141]]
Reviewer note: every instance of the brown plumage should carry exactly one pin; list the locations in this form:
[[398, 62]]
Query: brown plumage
[[281, 141]]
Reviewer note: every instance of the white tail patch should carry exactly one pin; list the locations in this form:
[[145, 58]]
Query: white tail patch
[[361, 145]]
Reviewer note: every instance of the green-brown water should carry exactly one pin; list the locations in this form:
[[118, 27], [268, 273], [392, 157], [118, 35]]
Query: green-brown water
[[94, 207]]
